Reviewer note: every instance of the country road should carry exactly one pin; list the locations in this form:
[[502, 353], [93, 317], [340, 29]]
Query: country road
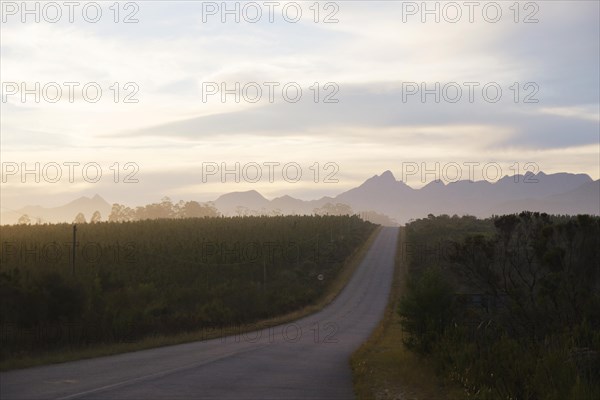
[[305, 359]]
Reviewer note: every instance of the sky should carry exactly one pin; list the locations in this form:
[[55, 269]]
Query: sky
[[302, 98]]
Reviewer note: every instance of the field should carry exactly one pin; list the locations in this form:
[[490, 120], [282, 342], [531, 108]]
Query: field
[[135, 280]]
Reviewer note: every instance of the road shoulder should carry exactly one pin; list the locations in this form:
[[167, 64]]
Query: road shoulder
[[383, 368]]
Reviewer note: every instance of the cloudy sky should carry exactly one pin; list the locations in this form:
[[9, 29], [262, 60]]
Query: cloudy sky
[[348, 88]]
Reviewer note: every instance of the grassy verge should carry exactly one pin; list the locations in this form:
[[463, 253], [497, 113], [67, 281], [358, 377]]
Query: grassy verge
[[98, 350], [383, 368]]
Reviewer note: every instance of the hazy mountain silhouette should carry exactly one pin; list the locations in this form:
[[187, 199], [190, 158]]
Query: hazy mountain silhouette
[[381, 193], [64, 213], [251, 200], [560, 193], [584, 199], [289, 205]]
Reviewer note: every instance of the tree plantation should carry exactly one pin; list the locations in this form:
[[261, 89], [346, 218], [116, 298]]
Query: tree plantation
[[162, 276]]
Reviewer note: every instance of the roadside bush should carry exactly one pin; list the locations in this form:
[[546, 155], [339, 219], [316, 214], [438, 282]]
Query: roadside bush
[[426, 310], [527, 326]]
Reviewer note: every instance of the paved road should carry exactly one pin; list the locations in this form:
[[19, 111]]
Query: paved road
[[305, 359]]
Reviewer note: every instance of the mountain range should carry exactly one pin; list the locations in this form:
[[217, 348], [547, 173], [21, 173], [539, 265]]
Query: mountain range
[[64, 213], [560, 193]]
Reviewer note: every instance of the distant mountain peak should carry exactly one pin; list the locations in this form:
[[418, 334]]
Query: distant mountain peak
[[387, 176], [252, 194], [84, 201], [285, 197], [385, 179]]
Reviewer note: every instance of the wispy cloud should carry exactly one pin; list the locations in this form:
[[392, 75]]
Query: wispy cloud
[[369, 54]]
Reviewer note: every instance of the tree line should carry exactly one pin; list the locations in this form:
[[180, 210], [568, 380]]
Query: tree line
[[165, 209]]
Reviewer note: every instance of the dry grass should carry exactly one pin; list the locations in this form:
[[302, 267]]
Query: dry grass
[[383, 368], [99, 350]]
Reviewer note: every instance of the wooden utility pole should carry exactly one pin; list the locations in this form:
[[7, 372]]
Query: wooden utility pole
[[74, 245], [264, 277]]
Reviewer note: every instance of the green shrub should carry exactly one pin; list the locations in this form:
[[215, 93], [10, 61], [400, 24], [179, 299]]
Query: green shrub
[[426, 310]]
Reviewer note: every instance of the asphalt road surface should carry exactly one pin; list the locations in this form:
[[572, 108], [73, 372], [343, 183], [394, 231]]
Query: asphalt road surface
[[308, 358]]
